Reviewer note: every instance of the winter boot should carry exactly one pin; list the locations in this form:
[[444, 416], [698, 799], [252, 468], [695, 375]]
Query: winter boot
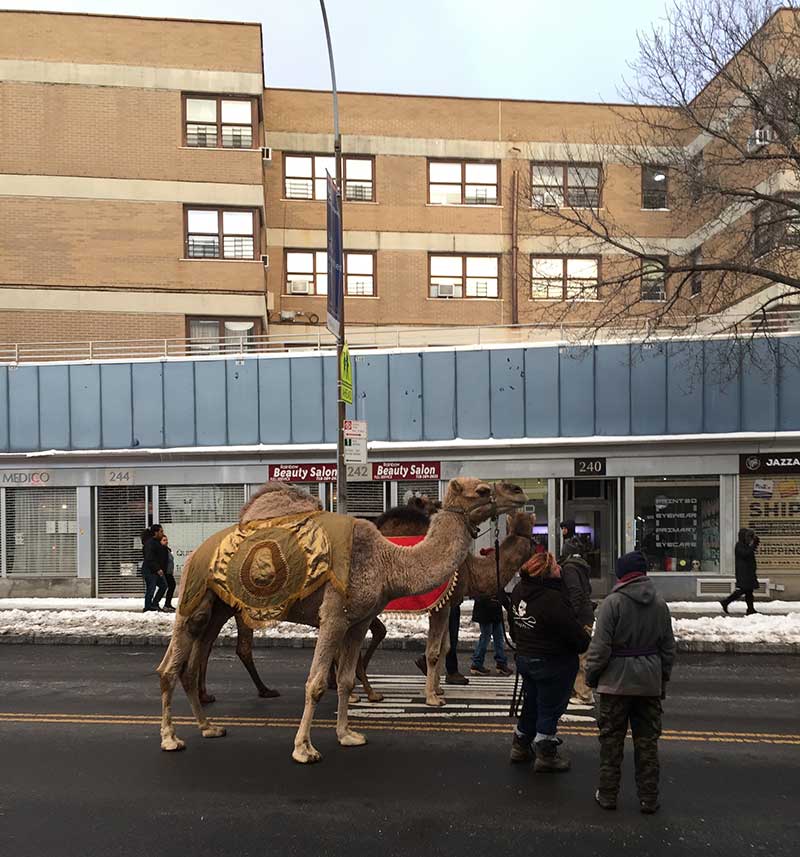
[[604, 801], [548, 760], [724, 605], [649, 805], [479, 670], [520, 750]]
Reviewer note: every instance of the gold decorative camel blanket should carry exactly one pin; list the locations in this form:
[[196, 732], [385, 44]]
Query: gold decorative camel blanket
[[263, 567]]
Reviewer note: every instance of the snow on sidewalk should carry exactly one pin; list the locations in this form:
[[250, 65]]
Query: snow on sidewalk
[[778, 622]]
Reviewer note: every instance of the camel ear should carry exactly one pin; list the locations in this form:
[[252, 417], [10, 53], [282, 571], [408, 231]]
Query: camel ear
[[457, 486]]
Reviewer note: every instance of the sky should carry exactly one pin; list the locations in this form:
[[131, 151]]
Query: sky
[[529, 49]]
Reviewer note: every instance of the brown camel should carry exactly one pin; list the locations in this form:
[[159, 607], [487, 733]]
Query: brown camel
[[379, 571]]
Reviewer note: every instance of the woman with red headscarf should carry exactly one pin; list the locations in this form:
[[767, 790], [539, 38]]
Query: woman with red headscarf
[[549, 639]]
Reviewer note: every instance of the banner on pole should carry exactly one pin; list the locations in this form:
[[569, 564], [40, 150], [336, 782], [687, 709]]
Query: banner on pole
[[335, 261], [346, 376]]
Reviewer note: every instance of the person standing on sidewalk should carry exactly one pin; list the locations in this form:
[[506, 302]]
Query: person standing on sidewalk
[[168, 564], [451, 658], [629, 662], [746, 579], [575, 573], [152, 568], [488, 613], [549, 639]]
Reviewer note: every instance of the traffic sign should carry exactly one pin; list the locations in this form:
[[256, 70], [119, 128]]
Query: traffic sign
[[346, 374], [355, 441]]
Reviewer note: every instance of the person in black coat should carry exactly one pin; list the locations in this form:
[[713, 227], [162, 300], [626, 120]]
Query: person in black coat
[[746, 580], [152, 568], [488, 613], [575, 572], [168, 561], [549, 639]]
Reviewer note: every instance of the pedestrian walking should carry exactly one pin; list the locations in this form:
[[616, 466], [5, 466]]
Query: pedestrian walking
[[746, 579], [168, 565], [570, 543], [152, 567], [629, 663], [488, 613], [549, 639], [575, 572]]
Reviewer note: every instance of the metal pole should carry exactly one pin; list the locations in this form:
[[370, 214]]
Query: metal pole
[[341, 470]]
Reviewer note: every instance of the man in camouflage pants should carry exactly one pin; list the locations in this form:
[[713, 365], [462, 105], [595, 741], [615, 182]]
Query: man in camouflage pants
[[629, 661]]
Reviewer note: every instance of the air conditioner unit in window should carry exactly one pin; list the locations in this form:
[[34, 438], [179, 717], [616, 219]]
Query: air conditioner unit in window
[[759, 138], [300, 287], [265, 260], [266, 153], [445, 290]]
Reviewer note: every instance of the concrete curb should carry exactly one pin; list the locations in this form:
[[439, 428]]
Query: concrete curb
[[394, 643]]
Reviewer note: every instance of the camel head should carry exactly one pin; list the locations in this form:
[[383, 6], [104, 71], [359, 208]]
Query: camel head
[[508, 497], [470, 497], [520, 524]]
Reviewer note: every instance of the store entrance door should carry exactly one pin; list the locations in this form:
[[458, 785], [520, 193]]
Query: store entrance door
[[593, 505]]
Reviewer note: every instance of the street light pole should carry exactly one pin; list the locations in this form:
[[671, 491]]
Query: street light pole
[[341, 470]]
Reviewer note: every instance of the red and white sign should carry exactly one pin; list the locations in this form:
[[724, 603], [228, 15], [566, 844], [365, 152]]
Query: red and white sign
[[388, 471], [302, 473]]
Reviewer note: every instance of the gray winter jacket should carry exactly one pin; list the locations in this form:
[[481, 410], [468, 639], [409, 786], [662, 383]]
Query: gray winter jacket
[[632, 650]]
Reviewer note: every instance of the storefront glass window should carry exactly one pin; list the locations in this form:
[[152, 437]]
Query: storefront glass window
[[677, 523], [42, 531]]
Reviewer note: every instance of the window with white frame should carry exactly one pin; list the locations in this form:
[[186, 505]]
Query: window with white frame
[[463, 182], [461, 276], [558, 278], [219, 122], [655, 182], [304, 176], [654, 280], [217, 233], [307, 273]]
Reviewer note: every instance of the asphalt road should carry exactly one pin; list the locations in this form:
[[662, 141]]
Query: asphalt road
[[82, 773]]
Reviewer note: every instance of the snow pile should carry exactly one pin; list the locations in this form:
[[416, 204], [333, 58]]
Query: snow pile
[[750, 629], [770, 608]]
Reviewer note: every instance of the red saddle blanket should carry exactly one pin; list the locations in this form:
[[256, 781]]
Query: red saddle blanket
[[414, 603]]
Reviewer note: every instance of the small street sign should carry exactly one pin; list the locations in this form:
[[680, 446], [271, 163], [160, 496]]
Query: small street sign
[[355, 441], [346, 374]]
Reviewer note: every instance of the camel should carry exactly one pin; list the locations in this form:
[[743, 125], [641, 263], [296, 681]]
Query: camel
[[379, 571]]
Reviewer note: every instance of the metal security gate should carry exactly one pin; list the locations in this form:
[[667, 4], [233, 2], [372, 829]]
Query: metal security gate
[[190, 514], [121, 515], [364, 499], [417, 488], [41, 531]]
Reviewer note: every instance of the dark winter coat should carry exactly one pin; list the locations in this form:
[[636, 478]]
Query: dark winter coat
[[152, 557], [542, 620], [575, 574], [745, 553], [487, 611], [633, 647], [571, 547]]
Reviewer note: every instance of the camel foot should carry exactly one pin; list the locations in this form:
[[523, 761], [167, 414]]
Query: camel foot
[[172, 743], [213, 732], [268, 693], [374, 696], [439, 691], [352, 739], [207, 698], [306, 753], [352, 698], [435, 701]]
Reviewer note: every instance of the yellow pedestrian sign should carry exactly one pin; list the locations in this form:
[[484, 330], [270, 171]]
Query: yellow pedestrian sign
[[346, 375]]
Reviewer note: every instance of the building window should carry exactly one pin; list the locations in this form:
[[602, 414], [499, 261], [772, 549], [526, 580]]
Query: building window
[[655, 181], [776, 225], [217, 122], [307, 273], [677, 523], [560, 185], [696, 277], [216, 233], [654, 281], [464, 276], [559, 278], [305, 176], [463, 182], [212, 333]]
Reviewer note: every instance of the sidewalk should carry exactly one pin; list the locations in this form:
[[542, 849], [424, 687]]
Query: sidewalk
[[699, 627]]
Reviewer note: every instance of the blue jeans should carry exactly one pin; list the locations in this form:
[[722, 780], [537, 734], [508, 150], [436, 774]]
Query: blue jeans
[[493, 631], [451, 660], [547, 685], [154, 586]]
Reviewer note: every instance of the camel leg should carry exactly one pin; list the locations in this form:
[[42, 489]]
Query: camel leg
[[173, 665], [378, 631], [244, 649], [349, 656], [220, 613], [333, 626], [218, 619], [434, 655]]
